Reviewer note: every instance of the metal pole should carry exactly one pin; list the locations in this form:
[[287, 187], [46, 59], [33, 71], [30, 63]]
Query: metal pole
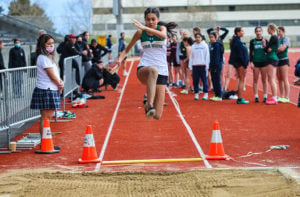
[[7, 108], [118, 10]]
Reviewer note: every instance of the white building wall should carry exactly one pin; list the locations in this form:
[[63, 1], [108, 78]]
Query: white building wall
[[291, 31], [166, 3]]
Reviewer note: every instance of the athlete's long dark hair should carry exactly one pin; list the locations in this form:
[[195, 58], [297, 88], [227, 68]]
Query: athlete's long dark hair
[[170, 26]]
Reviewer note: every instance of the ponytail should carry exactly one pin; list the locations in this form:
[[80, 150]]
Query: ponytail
[[170, 26]]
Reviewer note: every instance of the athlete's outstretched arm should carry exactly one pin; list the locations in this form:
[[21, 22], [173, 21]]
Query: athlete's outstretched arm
[[161, 33], [121, 57]]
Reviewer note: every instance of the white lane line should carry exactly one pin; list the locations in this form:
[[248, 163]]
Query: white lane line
[[189, 130], [98, 166]]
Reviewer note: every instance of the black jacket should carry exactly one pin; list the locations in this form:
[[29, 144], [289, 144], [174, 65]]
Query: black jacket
[[88, 57], [1, 61], [69, 50], [98, 52], [239, 53], [16, 58], [92, 77], [216, 56]]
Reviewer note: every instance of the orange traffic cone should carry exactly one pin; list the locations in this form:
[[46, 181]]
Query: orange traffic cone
[[89, 154], [216, 150], [47, 143]]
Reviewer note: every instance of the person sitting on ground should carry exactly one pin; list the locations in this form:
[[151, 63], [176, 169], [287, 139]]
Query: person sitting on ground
[[99, 76]]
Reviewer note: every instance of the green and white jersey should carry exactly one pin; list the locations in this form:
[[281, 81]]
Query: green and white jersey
[[284, 54], [259, 51], [154, 52]]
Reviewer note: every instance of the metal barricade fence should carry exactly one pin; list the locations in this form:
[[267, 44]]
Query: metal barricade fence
[[114, 55], [3, 107], [17, 87], [70, 83]]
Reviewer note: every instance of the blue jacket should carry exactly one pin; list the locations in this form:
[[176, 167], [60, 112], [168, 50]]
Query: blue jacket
[[121, 45], [216, 56], [239, 53]]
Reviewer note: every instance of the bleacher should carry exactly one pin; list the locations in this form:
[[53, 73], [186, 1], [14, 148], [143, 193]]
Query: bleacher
[[7, 37]]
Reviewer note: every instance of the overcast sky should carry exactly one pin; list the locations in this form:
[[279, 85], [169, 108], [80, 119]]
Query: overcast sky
[[56, 10]]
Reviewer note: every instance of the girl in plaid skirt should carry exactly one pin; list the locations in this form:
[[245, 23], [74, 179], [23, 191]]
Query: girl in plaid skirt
[[45, 96]]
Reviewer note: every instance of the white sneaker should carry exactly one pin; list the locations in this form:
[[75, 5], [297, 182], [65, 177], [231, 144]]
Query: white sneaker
[[205, 97], [196, 97], [233, 97], [185, 91]]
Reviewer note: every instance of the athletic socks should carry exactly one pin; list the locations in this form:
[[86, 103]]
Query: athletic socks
[[265, 95], [274, 97]]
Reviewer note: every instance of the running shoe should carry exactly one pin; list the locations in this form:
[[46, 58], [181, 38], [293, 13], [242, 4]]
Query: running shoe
[[271, 101], [183, 87], [233, 97], [185, 91], [216, 98], [281, 100], [145, 99], [68, 114], [286, 100], [242, 101], [265, 99], [174, 85], [205, 97], [196, 97], [256, 100], [150, 113]]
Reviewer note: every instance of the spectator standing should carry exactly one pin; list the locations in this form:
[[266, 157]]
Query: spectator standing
[[122, 46], [86, 56], [59, 50], [109, 47], [17, 60], [45, 96], [68, 50], [272, 62], [220, 39], [188, 42], [239, 58], [283, 66], [199, 64], [174, 61], [215, 65], [98, 51], [258, 62]]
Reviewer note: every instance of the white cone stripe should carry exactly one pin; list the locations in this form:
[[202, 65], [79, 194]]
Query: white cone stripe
[[216, 137], [47, 133], [89, 141]]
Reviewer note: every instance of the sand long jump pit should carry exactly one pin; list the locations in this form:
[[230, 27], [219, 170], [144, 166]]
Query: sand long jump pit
[[215, 183]]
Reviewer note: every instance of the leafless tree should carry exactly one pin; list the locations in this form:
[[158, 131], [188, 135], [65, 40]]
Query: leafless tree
[[79, 14]]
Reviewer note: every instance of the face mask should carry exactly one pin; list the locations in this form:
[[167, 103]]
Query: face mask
[[17, 45], [50, 49]]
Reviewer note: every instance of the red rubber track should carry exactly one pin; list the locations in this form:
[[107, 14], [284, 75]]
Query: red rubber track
[[244, 128]]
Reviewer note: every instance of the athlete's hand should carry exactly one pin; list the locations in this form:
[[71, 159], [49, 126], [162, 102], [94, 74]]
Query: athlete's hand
[[116, 66], [269, 50], [264, 43], [138, 24]]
